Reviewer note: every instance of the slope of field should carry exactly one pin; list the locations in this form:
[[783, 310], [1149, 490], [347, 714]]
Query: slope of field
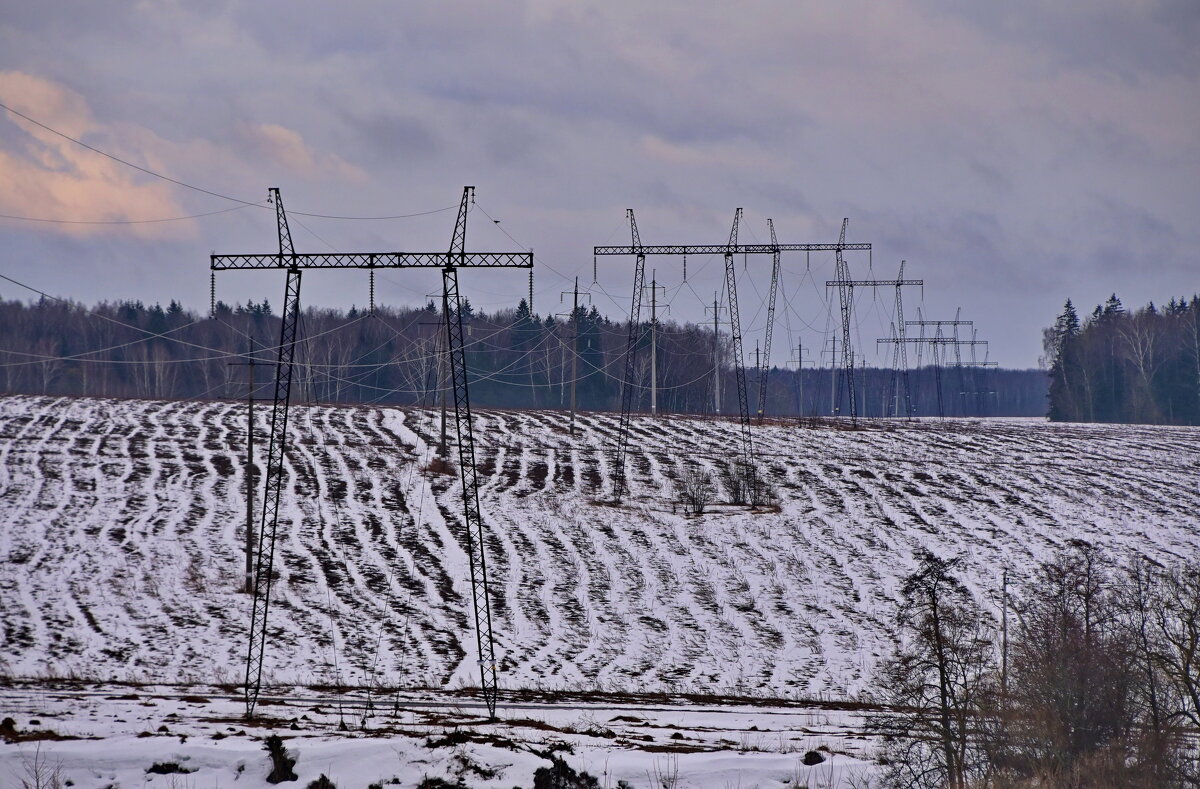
[[121, 533]]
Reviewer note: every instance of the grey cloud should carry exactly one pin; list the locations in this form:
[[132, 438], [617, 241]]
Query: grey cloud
[[990, 176], [1006, 194], [390, 136], [69, 17], [1127, 239], [305, 30], [1133, 41]]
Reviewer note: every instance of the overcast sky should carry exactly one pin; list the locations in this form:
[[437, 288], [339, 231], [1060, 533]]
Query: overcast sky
[[1014, 153]]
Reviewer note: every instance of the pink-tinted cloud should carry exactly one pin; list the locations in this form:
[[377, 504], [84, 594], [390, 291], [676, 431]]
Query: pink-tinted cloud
[[49, 177], [287, 149]]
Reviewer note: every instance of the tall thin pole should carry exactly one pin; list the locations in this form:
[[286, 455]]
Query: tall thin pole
[[799, 380], [250, 476], [865, 400], [653, 343], [250, 363], [716, 355], [443, 374], [833, 390], [574, 352], [758, 370], [574, 316], [1004, 634]]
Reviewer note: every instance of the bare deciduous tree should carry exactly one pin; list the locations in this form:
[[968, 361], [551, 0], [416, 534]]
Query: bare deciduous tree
[[935, 681]]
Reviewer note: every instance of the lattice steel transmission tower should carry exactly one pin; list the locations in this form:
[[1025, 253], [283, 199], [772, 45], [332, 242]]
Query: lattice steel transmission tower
[[293, 263], [762, 376], [739, 363], [900, 355], [727, 250], [635, 332], [948, 342], [846, 286], [938, 344]]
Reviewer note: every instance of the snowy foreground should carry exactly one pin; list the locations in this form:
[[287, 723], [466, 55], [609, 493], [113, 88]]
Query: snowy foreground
[[126, 731], [122, 528]]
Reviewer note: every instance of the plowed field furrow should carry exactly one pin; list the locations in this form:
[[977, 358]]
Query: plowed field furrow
[[122, 525]]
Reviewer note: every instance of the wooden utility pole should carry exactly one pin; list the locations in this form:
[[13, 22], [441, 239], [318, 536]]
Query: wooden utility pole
[[653, 343], [439, 375], [716, 313], [574, 343], [758, 370], [249, 363], [833, 387], [574, 351], [799, 360], [443, 387], [717, 355], [1004, 633]]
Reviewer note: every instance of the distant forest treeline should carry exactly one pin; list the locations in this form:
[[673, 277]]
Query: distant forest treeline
[[516, 360], [1121, 366]]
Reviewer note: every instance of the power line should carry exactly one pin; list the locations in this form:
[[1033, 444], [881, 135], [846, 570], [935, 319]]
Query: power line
[[149, 335], [177, 182], [368, 218], [124, 221], [119, 160]]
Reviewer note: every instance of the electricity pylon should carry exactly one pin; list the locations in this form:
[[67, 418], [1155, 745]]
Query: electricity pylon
[[293, 263], [727, 250]]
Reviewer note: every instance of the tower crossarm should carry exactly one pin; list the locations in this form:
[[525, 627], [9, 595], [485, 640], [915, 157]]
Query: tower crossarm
[[874, 283], [371, 260], [931, 340], [722, 249]]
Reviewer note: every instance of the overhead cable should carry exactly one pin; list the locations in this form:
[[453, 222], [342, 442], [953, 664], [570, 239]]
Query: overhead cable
[[177, 182]]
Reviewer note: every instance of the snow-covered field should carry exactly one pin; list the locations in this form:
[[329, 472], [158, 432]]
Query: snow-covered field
[[121, 550], [124, 731], [121, 539]]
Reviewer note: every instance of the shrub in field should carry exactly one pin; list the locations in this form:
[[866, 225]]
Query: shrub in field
[[762, 494], [695, 490], [440, 783], [735, 478], [282, 761], [744, 484], [38, 772], [560, 775], [439, 465], [167, 768]]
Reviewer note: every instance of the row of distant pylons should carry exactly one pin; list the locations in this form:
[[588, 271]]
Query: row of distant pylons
[[455, 258], [901, 401]]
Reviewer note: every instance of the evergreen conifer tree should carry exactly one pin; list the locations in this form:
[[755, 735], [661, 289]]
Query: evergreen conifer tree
[[1064, 366]]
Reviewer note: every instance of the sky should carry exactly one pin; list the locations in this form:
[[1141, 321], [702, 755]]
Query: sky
[[1015, 154]]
